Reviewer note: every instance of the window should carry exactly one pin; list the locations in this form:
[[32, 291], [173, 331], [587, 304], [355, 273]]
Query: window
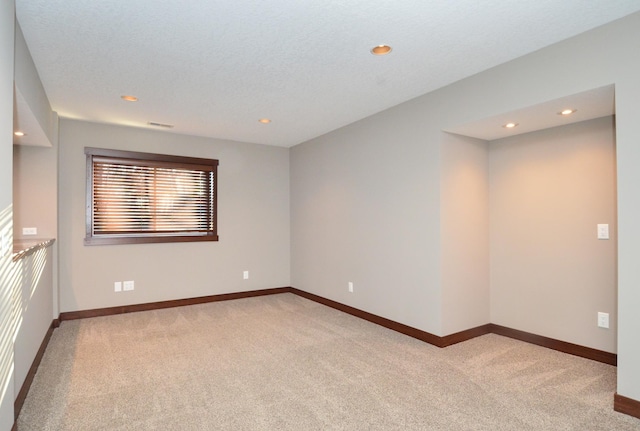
[[141, 198]]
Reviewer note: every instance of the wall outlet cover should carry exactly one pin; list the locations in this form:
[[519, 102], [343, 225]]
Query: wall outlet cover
[[29, 231]]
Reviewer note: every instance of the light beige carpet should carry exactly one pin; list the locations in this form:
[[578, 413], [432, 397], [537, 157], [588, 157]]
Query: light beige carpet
[[282, 362]]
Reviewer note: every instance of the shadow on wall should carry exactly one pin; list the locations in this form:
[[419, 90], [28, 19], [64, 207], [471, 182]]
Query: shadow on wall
[[19, 281], [9, 314]]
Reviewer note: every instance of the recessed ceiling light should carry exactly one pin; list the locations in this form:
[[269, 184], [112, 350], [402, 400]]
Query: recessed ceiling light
[[381, 50], [264, 120], [510, 125], [567, 111], [129, 98], [19, 133]]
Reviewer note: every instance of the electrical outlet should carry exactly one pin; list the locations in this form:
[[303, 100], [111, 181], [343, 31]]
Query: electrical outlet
[[603, 320], [29, 231], [245, 275], [128, 285], [117, 286], [351, 287]]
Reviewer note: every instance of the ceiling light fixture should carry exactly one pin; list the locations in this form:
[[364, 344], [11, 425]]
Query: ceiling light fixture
[[510, 125], [129, 98], [264, 120], [381, 50], [567, 111], [19, 133]]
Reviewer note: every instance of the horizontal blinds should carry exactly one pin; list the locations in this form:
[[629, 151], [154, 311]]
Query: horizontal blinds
[[133, 198]]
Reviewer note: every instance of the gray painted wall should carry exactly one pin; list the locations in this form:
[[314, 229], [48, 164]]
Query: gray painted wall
[[35, 297], [550, 274], [628, 160], [35, 204], [253, 224], [28, 82], [35, 169], [7, 19], [464, 244], [35, 191], [366, 204], [364, 207]]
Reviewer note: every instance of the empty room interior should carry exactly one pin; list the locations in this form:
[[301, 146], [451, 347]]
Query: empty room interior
[[393, 172]]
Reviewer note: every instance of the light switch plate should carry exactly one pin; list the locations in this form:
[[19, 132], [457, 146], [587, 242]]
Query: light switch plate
[[603, 231], [128, 285], [603, 320]]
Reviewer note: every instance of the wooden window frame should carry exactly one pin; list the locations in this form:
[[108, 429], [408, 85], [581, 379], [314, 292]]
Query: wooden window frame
[[150, 160]]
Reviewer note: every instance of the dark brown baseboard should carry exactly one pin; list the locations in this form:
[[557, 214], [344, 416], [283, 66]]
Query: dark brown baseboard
[[382, 321], [448, 340], [561, 346], [26, 385], [395, 326], [625, 405], [468, 334], [83, 314]]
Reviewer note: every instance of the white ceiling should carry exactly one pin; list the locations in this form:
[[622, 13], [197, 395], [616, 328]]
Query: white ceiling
[[213, 68]]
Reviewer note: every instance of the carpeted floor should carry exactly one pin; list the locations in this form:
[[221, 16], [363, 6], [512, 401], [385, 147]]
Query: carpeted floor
[[282, 362]]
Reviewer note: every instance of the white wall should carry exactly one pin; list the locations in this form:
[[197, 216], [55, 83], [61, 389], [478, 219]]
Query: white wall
[[389, 234], [550, 274], [253, 224], [6, 149], [464, 218]]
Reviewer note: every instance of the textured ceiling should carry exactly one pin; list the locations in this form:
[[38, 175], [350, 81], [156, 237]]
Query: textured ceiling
[[213, 68]]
